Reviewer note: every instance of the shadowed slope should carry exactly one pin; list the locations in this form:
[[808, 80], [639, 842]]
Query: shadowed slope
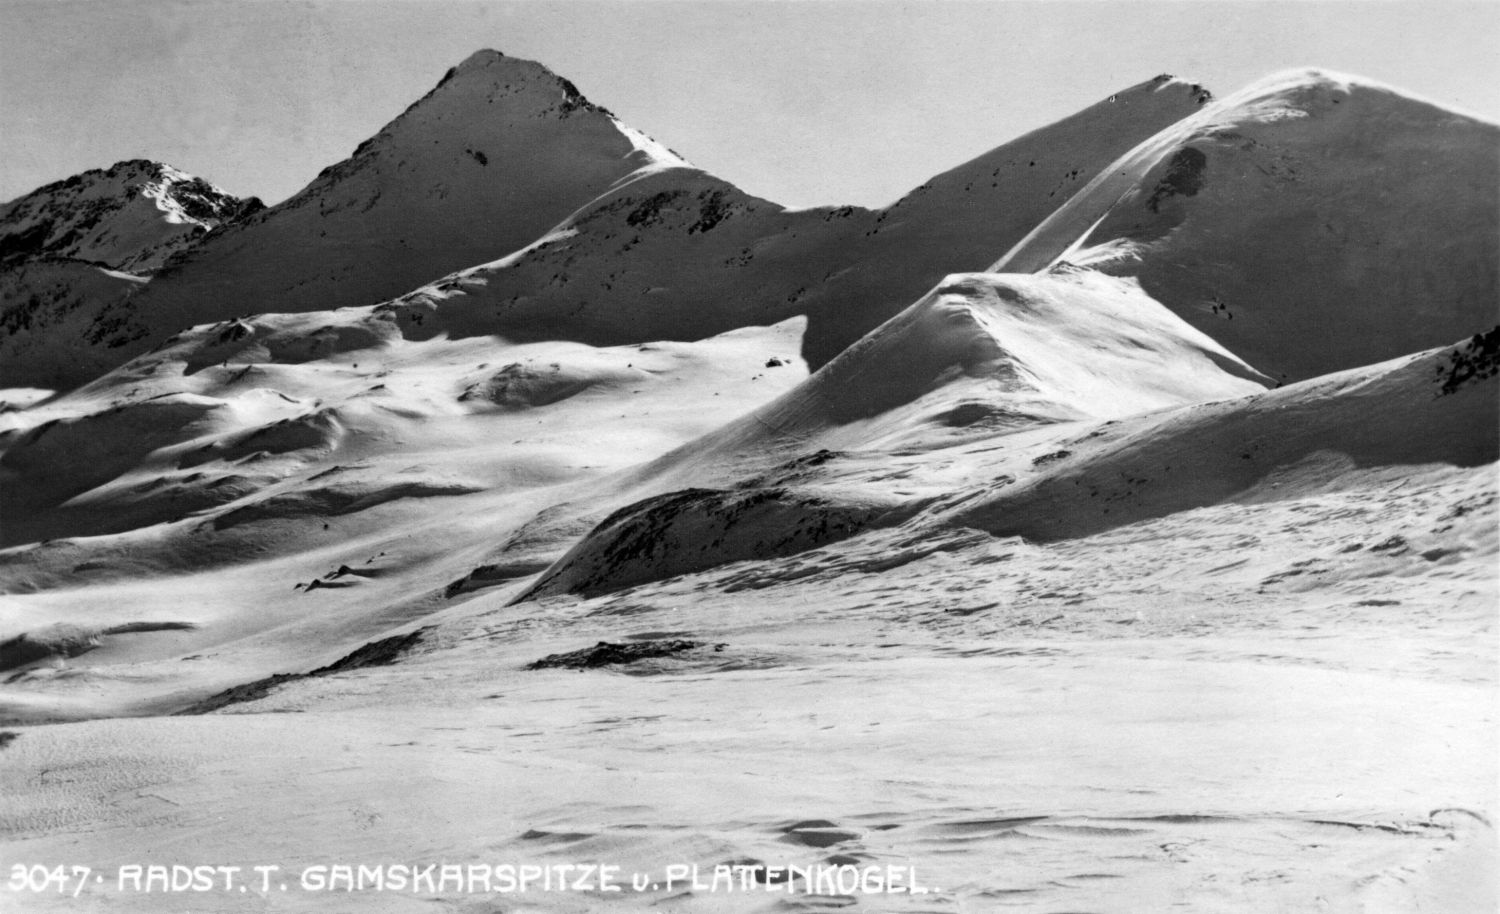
[[132, 216]]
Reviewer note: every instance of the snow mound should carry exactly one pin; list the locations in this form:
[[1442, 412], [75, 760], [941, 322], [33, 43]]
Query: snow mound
[[986, 354], [520, 385], [331, 499], [1441, 406], [1312, 222], [693, 530]]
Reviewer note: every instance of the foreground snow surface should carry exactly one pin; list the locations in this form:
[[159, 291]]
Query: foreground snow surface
[[1241, 707], [1229, 655]]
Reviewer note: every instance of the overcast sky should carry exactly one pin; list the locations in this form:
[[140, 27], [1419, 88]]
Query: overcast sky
[[804, 103]]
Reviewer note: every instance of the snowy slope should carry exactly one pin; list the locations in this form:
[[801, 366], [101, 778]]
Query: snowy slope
[[979, 358], [988, 353], [229, 422], [1286, 638], [1311, 222], [44, 300], [1436, 407]]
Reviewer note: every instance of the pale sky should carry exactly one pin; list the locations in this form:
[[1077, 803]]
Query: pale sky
[[805, 103]]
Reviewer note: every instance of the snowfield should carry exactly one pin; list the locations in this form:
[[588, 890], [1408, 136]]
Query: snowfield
[[1110, 524]]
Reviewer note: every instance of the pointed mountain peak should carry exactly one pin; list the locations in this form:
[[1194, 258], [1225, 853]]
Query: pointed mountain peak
[[497, 154], [480, 58], [130, 168], [490, 73]]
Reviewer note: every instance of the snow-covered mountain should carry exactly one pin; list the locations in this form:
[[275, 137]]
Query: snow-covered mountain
[[497, 153], [71, 249], [506, 203], [133, 217], [1311, 222], [1083, 577], [685, 255]]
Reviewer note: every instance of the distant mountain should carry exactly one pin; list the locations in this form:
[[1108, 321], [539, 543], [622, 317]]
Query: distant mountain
[[47, 310], [133, 216], [1312, 222], [496, 154], [70, 249]]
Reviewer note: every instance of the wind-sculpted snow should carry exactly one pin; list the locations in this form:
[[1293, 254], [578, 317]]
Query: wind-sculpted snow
[[983, 355], [49, 464], [62, 641], [335, 498]]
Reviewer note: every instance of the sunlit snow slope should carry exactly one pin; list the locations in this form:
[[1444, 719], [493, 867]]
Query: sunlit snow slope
[[1311, 222]]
